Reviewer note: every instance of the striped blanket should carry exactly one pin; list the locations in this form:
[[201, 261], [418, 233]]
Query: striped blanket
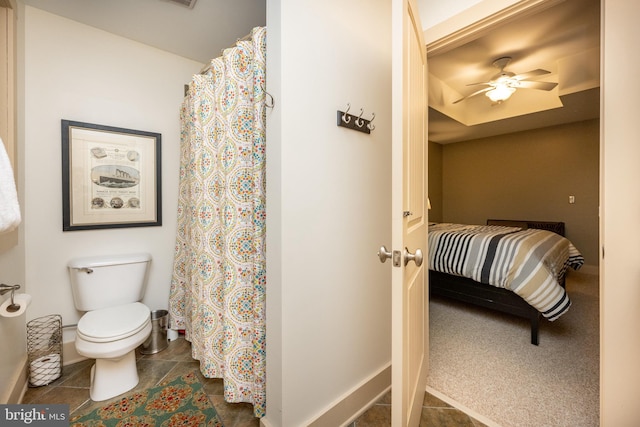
[[529, 262]]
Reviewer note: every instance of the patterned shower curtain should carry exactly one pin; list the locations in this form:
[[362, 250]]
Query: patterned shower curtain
[[218, 286]]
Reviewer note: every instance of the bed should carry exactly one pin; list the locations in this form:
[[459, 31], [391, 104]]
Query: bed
[[516, 267]]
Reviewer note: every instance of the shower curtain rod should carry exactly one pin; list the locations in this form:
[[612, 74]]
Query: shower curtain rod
[[241, 39], [208, 67]]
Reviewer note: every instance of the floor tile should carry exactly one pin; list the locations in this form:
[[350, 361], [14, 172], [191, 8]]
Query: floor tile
[[431, 401], [234, 414], [444, 417], [74, 397], [377, 416], [175, 360], [178, 351]]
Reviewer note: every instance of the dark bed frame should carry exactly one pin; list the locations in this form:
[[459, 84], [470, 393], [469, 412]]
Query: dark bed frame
[[470, 291]]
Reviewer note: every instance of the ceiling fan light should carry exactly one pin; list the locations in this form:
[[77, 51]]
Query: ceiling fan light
[[500, 93]]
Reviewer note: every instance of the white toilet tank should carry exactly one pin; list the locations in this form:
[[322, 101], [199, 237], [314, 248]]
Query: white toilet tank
[[106, 281]]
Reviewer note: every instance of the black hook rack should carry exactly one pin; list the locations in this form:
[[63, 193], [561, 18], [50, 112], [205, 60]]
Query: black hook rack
[[353, 122]]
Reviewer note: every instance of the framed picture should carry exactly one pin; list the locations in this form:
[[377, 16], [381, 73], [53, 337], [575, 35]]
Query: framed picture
[[110, 177]]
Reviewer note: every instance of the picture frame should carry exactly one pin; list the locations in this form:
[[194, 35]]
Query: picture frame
[[111, 177]]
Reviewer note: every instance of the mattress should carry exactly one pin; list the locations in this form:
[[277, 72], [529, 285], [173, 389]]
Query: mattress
[[529, 262]]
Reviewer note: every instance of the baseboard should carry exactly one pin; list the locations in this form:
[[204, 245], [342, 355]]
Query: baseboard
[[18, 382], [265, 423], [354, 403], [69, 353]]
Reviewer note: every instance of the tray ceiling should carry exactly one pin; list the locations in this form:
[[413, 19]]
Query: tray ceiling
[[563, 39]]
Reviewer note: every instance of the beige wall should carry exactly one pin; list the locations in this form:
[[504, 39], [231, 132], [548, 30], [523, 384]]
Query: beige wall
[[528, 176], [67, 70], [329, 192], [77, 72], [435, 181]]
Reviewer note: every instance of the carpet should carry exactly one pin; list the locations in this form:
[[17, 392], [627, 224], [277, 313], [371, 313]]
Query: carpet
[[181, 402], [484, 361]]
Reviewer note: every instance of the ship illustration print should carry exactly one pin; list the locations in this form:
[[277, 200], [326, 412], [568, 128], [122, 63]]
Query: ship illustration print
[[115, 176]]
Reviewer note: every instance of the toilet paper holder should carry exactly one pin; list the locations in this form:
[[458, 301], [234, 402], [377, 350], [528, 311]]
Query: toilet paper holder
[[13, 307]]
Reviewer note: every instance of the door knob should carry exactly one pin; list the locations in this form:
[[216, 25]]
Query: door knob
[[384, 254], [395, 256], [417, 257]]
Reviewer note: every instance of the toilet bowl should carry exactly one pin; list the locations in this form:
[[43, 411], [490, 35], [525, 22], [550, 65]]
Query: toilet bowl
[[109, 289], [111, 335]]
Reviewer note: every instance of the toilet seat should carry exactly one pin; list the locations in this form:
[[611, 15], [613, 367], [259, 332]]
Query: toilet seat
[[114, 323]]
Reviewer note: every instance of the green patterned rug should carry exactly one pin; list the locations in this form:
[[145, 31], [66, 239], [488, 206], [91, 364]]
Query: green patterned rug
[[181, 402]]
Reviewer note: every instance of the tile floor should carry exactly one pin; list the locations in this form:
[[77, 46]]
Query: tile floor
[[73, 386], [73, 389], [435, 413]]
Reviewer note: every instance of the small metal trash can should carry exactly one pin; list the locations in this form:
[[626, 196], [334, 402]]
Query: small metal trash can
[[157, 341]]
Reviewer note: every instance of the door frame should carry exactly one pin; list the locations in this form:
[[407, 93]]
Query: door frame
[[476, 21]]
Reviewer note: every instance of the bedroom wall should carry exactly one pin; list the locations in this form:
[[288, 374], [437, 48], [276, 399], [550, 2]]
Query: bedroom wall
[[77, 72], [435, 181], [528, 175]]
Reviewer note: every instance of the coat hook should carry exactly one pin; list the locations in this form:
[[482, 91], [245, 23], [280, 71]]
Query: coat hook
[[273, 102], [359, 121], [371, 126], [344, 115], [354, 122]]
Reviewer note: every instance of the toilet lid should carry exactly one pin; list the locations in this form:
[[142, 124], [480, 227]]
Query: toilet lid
[[112, 323]]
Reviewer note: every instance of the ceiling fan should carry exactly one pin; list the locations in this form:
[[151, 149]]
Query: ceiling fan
[[505, 83]]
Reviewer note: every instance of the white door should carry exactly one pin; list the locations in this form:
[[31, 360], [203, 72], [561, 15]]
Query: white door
[[410, 328]]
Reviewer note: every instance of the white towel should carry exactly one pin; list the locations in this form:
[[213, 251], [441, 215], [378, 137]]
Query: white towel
[[9, 207]]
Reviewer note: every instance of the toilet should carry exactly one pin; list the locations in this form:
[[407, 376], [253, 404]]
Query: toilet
[[109, 290]]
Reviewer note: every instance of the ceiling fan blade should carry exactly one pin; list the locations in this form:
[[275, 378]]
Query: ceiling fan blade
[[478, 92], [537, 85], [532, 73], [479, 83]]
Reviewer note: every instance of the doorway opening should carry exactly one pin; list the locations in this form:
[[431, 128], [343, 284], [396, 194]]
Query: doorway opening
[[490, 160]]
